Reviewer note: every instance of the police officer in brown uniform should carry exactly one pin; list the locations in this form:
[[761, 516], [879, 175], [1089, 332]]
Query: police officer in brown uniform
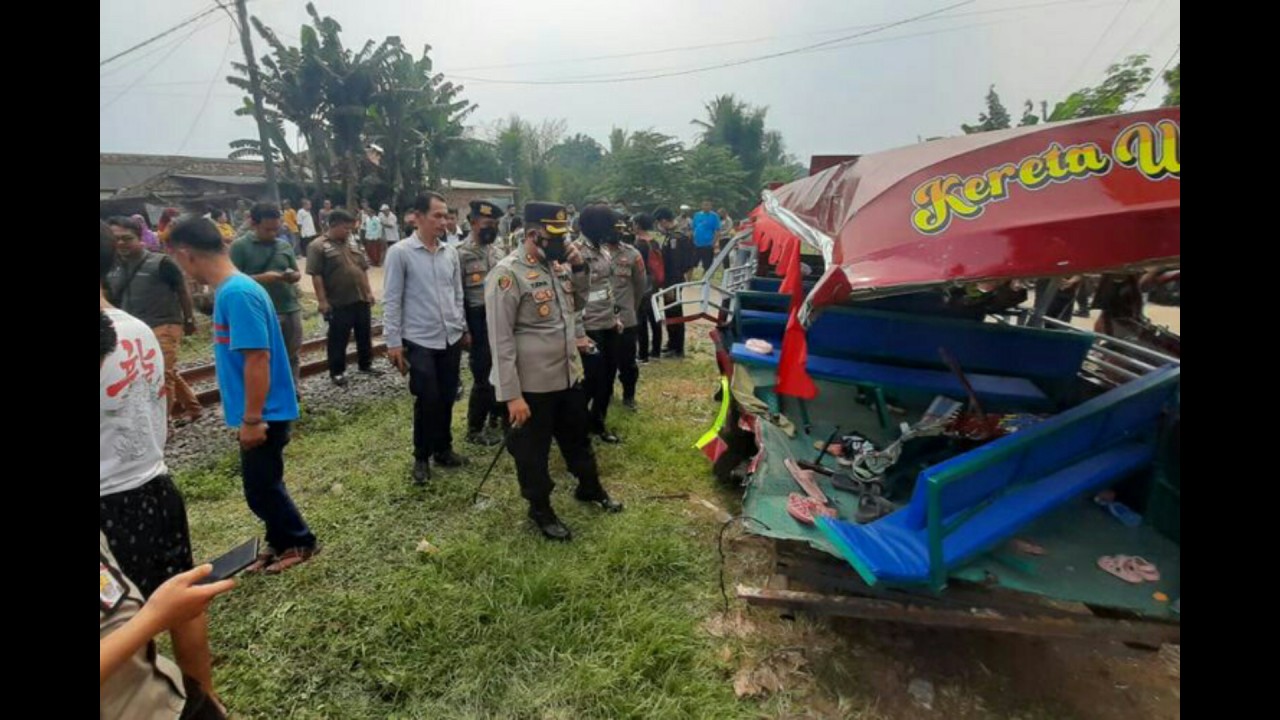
[[529, 305], [629, 282], [600, 315], [478, 254]]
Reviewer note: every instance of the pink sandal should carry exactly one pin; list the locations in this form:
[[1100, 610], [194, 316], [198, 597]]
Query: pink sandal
[[805, 509], [1118, 565], [804, 478], [1143, 569]]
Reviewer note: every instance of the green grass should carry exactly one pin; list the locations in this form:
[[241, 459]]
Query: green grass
[[498, 623]]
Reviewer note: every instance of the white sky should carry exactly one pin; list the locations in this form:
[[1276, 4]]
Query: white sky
[[887, 89]]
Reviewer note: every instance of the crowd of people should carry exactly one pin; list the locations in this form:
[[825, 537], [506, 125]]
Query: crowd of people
[[552, 306]]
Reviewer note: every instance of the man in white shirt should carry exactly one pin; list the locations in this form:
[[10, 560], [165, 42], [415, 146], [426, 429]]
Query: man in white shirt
[[306, 225], [390, 228], [139, 508]]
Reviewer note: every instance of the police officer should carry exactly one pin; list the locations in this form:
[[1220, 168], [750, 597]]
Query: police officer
[[529, 303], [628, 276], [677, 256], [600, 315], [478, 254]]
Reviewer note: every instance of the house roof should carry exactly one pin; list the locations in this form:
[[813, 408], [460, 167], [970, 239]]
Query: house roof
[[119, 171], [469, 185]]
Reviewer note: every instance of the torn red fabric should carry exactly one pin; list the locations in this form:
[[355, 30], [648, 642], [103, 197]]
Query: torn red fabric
[[784, 255], [714, 449]]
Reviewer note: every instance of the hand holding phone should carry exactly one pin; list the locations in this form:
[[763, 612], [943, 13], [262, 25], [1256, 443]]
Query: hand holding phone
[[232, 563]]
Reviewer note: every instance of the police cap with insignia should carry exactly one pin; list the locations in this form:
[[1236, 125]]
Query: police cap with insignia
[[484, 209], [553, 217]]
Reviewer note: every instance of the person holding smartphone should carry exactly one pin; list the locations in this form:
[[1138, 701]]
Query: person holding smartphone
[[271, 261]]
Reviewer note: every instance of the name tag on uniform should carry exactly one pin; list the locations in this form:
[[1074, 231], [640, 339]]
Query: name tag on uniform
[[111, 590], [598, 295]]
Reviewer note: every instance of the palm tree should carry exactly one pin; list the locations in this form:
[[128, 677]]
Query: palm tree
[[350, 82]]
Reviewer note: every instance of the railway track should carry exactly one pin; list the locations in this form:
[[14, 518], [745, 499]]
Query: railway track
[[201, 374]]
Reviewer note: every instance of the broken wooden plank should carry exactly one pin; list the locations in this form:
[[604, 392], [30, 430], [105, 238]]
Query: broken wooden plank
[[972, 618]]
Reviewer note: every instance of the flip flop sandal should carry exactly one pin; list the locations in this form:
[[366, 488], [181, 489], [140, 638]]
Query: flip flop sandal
[[290, 558], [804, 509], [1126, 516], [260, 563], [1116, 565], [804, 478], [871, 508], [1028, 548], [1142, 568]]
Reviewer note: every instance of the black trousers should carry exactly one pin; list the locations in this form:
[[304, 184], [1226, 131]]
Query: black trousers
[[675, 331], [342, 321], [560, 415], [263, 471], [650, 326], [600, 371], [433, 381], [704, 256], [481, 405], [628, 370]]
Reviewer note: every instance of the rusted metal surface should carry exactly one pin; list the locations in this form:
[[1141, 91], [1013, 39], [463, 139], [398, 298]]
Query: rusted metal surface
[[211, 396], [203, 373]]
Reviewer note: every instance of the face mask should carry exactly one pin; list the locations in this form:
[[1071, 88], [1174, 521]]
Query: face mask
[[487, 235], [553, 249]]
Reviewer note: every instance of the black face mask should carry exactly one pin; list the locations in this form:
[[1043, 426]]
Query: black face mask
[[487, 235], [553, 248]]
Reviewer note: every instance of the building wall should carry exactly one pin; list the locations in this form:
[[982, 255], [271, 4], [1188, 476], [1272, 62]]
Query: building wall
[[460, 199]]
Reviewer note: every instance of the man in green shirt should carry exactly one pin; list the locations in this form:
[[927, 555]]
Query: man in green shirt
[[264, 257]]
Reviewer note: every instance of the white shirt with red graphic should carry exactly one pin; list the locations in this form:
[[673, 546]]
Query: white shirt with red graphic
[[132, 414]]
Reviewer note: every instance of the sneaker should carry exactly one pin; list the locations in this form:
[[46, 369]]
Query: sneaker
[[643, 361], [421, 472], [608, 437], [339, 380], [290, 558]]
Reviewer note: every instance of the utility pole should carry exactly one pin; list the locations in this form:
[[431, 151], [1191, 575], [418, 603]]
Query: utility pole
[[273, 190]]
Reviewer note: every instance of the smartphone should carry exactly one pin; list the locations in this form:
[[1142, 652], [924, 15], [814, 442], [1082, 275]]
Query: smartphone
[[233, 562]]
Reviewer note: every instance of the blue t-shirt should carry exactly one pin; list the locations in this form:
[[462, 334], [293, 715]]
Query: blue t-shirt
[[245, 319], [705, 227]]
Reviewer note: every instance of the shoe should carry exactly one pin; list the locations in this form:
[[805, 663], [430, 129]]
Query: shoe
[[481, 437], [339, 380], [450, 459], [629, 403], [290, 558], [549, 524], [643, 361], [608, 438], [369, 371], [603, 501], [421, 472], [673, 354]]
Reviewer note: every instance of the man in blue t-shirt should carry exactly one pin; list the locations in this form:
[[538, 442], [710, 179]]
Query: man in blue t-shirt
[[706, 226], [256, 383]]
